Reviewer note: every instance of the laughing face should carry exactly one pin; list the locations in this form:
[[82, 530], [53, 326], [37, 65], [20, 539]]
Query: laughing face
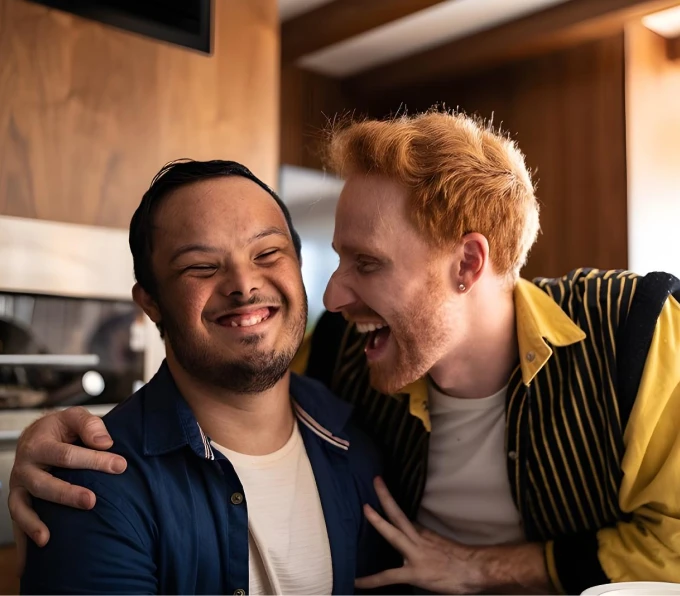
[[391, 283], [231, 297]]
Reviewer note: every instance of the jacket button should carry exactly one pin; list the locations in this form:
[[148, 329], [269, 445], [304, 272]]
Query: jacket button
[[237, 499], [239, 592], [513, 455], [531, 356]]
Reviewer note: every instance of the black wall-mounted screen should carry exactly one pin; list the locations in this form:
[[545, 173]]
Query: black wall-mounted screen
[[183, 22]]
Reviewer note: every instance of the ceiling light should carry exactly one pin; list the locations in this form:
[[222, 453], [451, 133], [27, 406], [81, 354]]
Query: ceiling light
[[666, 22]]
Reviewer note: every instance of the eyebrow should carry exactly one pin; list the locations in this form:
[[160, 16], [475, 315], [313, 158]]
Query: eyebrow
[[268, 232], [354, 249]]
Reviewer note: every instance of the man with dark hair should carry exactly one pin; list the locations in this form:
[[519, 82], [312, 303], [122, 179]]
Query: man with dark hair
[[241, 478], [528, 427], [171, 176]]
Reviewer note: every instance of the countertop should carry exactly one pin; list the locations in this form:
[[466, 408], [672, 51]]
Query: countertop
[[13, 422]]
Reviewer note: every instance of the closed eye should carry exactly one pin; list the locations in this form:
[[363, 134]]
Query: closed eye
[[365, 267], [269, 253], [201, 269]]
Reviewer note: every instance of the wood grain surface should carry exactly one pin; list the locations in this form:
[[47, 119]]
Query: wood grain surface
[[89, 113]]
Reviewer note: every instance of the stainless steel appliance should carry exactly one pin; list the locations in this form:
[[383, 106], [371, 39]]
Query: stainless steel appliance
[[63, 351], [69, 331]]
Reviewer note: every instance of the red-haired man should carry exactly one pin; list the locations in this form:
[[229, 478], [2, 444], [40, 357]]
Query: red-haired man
[[528, 427]]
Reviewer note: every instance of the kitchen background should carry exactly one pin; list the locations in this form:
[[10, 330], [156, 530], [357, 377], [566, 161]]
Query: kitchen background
[[90, 110]]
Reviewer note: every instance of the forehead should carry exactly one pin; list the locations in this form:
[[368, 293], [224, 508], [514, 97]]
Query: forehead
[[372, 210], [216, 211]]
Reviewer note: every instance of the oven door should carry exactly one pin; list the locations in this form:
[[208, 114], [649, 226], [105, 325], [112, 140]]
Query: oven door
[[73, 261]]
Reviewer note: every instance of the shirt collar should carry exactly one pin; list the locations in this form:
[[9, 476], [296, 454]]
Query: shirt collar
[[328, 411], [170, 424], [538, 318]]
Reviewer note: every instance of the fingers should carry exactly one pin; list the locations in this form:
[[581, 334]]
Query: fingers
[[46, 443], [43, 485], [440, 542], [63, 455], [20, 543], [393, 511], [393, 535], [26, 521], [429, 535], [78, 422], [390, 577]]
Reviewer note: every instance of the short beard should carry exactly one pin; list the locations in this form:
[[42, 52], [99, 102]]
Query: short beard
[[255, 373], [392, 378], [420, 343]]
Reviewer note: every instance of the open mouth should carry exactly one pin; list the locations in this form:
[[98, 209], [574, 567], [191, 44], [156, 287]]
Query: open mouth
[[248, 319], [378, 338]]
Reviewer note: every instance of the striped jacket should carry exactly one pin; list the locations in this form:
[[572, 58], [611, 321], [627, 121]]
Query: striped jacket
[[593, 454]]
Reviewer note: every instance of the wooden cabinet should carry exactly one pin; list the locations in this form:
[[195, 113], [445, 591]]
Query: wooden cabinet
[[89, 113], [9, 582]]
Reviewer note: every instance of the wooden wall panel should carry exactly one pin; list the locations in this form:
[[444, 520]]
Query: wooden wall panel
[[308, 102], [9, 580], [566, 111], [89, 113]]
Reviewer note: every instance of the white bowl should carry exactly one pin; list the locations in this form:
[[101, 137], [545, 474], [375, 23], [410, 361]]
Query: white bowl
[[634, 589]]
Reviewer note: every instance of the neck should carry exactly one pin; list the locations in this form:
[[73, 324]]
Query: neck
[[250, 423], [487, 352]]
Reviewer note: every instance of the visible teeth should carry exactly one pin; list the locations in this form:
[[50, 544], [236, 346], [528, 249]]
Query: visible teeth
[[368, 327], [249, 322]]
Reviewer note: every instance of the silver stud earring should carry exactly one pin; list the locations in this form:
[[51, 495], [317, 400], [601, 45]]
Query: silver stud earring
[[461, 287]]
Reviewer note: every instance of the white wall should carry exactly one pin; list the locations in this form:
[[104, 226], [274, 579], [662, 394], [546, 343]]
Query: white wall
[[653, 146]]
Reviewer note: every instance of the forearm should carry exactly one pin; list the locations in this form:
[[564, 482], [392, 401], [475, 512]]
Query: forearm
[[517, 568]]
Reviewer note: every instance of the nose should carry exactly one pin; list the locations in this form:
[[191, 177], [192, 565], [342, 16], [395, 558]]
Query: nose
[[241, 279], [338, 295]]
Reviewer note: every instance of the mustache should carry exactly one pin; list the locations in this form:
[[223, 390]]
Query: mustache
[[233, 302], [357, 313]]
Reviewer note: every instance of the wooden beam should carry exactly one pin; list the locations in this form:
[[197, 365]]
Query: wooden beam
[[542, 32], [339, 20], [673, 48]]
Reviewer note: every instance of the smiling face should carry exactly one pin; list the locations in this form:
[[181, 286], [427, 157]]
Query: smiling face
[[229, 286], [391, 283]]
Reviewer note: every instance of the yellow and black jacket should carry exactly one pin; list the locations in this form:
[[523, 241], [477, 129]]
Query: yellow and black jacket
[[592, 424]]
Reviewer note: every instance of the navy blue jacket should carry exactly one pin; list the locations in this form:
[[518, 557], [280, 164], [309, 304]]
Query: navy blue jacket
[[169, 524]]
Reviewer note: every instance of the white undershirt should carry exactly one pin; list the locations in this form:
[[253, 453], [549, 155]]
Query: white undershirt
[[467, 495], [288, 548]]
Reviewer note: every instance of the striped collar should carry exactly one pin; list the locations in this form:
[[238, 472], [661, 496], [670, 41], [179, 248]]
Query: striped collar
[[170, 424], [303, 417], [541, 323]]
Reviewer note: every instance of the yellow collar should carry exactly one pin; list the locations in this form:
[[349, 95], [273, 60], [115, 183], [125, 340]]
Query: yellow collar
[[539, 318]]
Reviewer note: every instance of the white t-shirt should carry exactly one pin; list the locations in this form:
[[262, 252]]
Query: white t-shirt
[[467, 495], [288, 546]]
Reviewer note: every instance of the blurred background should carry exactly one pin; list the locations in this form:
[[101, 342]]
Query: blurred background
[[95, 96]]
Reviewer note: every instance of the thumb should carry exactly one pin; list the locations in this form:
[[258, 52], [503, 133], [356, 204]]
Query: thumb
[[78, 422]]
